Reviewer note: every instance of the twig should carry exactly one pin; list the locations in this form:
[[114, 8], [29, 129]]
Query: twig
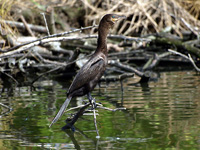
[[192, 61], [76, 107], [186, 57], [10, 77], [45, 21], [190, 27], [125, 67], [54, 69], [9, 109], [49, 61], [6, 106], [144, 76], [26, 25], [154, 60], [113, 110]]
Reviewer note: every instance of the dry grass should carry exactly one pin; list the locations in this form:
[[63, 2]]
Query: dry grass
[[5, 9], [144, 16], [193, 6]]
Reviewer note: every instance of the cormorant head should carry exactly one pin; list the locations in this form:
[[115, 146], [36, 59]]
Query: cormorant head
[[111, 19]]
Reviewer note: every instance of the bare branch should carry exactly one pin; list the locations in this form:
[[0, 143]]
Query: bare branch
[[126, 67], [45, 21], [186, 57], [26, 25], [10, 77], [43, 41], [51, 36], [113, 110]]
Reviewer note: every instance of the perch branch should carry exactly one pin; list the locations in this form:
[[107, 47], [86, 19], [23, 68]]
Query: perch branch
[[71, 121]]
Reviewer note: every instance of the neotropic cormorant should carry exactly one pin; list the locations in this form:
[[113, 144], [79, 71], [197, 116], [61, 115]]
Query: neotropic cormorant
[[88, 76]]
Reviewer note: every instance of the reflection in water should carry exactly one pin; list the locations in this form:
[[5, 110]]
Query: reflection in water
[[163, 114], [74, 141]]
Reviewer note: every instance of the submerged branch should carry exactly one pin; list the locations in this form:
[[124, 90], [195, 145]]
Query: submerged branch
[[71, 121], [154, 61], [144, 76]]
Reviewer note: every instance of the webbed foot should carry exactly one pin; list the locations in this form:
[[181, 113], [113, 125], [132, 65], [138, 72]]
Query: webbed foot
[[92, 100]]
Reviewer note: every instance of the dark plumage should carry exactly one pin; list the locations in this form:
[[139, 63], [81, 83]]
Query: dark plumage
[[88, 76]]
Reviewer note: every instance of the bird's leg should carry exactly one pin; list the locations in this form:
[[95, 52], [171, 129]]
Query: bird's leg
[[93, 103], [92, 100]]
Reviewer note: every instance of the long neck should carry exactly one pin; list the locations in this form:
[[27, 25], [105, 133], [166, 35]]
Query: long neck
[[101, 41]]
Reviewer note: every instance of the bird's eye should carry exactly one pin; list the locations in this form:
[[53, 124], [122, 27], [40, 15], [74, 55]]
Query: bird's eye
[[113, 16]]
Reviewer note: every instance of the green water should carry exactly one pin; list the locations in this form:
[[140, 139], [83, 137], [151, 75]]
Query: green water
[[160, 115]]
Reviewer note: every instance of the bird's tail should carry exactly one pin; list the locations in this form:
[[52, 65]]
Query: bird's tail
[[61, 111]]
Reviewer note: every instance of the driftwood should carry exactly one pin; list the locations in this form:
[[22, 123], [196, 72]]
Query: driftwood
[[52, 43], [56, 61]]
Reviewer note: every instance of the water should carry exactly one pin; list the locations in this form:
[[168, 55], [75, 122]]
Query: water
[[160, 115]]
